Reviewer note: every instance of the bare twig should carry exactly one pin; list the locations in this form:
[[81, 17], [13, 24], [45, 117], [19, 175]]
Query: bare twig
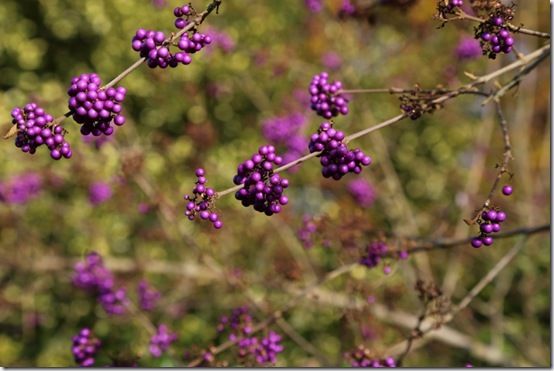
[[461, 15], [502, 168], [429, 326]]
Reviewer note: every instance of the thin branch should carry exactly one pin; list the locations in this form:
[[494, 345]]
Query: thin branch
[[489, 277], [466, 89], [214, 5], [516, 80], [346, 269], [503, 168], [445, 244], [429, 326], [461, 15], [279, 313]]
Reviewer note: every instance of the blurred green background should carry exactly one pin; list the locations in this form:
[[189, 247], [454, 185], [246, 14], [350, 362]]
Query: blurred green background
[[428, 174]]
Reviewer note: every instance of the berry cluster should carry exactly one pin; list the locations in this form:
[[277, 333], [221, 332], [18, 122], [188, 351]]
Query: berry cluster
[[148, 296], [448, 7], [493, 34], [93, 276], [240, 326], [161, 341], [202, 201], [326, 97], [20, 188], [155, 46], [34, 128], [455, 3], [375, 251], [180, 12], [261, 187], [194, 42], [489, 222], [335, 157], [361, 357], [84, 348], [238, 323], [152, 45], [114, 301], [268, 348], [93, 107]]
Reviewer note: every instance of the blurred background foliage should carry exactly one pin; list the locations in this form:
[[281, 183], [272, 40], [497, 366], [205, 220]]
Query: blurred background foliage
[[428, 174]]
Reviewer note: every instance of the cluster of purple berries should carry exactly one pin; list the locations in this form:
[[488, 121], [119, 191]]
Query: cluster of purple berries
[[34, 129], [264, 351], [375, 251], [91, 275], [148, 296], [114, 301], [261, 187], [161, 341], [448, 7], [20, 188], [361, 357], [494, 37], [239, 323], [153, 46], [455, 3], [194, 43], [201, 202], [335, 157], [180, 12], [326, 97], [93, 107], [489, 223], [84, 348]]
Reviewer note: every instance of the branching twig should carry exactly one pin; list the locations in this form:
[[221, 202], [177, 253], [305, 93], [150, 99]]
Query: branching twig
[[502, 168], [428, 326], [214, 5], [470, 88], [461, 15]]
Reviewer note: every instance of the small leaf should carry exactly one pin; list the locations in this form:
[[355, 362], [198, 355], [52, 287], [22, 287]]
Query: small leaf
[[470, 75], [10, 133]]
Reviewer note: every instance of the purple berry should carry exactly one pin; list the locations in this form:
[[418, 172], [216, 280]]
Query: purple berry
[[507, 190]]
